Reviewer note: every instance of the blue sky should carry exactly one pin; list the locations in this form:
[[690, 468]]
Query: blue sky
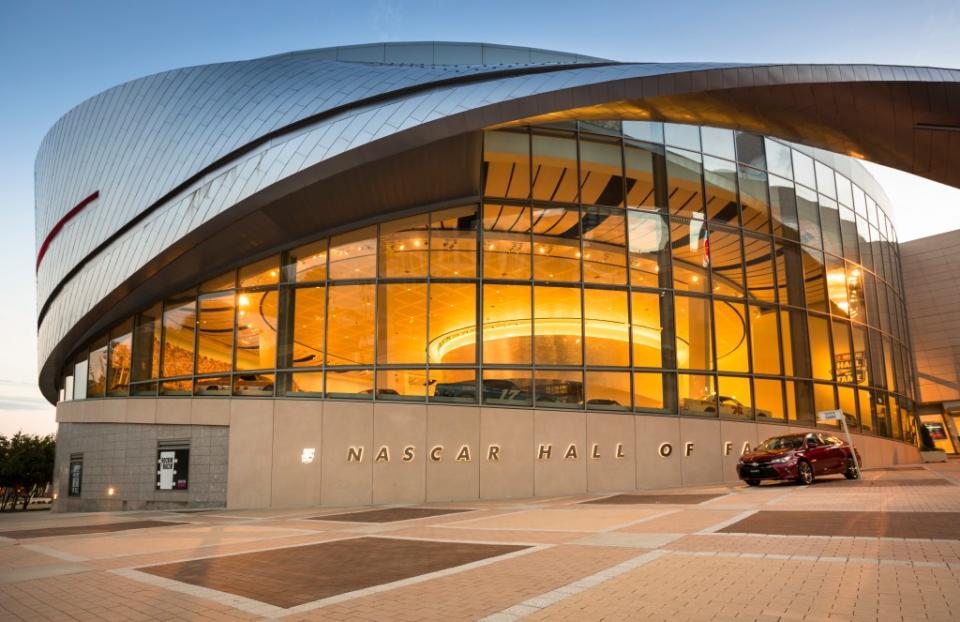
[[53, 55]]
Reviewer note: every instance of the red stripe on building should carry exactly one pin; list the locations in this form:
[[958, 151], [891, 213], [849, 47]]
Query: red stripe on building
[[60, 223]]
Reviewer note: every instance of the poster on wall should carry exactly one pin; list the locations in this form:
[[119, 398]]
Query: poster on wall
[[172, 468]]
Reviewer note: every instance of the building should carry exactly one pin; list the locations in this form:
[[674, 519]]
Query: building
[[399, 273], [931, 281]]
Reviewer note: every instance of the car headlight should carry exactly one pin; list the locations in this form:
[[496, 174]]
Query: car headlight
[[781, 460]]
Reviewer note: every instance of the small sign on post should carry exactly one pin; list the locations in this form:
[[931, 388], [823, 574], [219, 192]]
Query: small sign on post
[[837, 415]]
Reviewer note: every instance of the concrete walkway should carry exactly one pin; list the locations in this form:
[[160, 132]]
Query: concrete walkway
[[885, 548]]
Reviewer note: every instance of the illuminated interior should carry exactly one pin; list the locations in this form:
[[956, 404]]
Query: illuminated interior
[[623, 266]]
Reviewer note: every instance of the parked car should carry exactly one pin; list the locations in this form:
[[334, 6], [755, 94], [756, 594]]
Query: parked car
[[798, 457]]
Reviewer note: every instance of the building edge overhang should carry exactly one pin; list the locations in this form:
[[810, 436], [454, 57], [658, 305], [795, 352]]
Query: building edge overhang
[[672, 97]]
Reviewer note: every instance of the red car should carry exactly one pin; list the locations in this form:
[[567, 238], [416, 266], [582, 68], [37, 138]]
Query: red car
[[798, 457]]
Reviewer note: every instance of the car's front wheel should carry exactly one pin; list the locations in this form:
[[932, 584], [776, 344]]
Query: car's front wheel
[[752, 482], [851, 472], [804, 473]]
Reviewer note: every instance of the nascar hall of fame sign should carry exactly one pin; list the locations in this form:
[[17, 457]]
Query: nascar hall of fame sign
[[494, 452]]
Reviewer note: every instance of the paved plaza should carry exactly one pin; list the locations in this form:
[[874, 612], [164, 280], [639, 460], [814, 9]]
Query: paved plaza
[[884, 548]]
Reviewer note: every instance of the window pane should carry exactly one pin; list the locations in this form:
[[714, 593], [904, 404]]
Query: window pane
[[649, 241], [179, 322], [698, 395], [557, 326], [841, 352], [844, 190], [215, 385], [750, 150], [453, 242], [830, 224], [507, 327], [718, 142], [836, 285], [306, 384], [808, 212], [848, 404], [778, 158], [638, 160], [769, 399], [791, 323], [862, 376], [403, 247], [686, 136], [825, 180], [253, 385], [506, 156], [453, 385], [824, 399], [97, 372], [215, 341], [453, 323], [649, 131], [220, 283], [350, 384], [257, 330], [647, 330], [734, 397], [506, 242], [694, 345], [720, 183], [722, 253], [401, 324], [690, 255], [401, 384], [308, 304], [558, 389], [350, 325], [556, 237], [354, 255], [684, 182], [606, 328], [848, 231], [118, 375], [608, 390], [176, 387], [765, 339], [647, 391], [758, 261], [783, 209], [753, 199], [856, 308], [866, 410], [604, 246], [803, 170], [813, 280], [307, 263], [731, 326], [820, 357], [146, 344], [508, 387], [555, 167], [601, 172], [264, 272]]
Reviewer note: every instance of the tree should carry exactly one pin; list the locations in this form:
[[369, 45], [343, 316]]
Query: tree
[[26, 467]]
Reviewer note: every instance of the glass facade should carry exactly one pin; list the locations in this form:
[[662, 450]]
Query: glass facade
[[610, 266]]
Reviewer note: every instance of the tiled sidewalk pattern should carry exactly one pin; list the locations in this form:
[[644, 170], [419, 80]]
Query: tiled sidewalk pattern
[[890, 551]]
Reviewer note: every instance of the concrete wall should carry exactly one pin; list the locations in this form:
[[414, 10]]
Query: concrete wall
[[300, 453]]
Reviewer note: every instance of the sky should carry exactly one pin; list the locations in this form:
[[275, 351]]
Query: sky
[[55, 54]]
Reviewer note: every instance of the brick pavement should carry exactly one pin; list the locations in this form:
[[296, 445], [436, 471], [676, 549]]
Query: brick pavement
[[891, 552]]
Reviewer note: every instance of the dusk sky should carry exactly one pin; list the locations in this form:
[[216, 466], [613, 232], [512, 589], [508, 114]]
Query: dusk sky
[[53, 55]]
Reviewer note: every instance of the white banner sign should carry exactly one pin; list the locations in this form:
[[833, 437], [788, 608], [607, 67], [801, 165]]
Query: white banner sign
[[830, 415]]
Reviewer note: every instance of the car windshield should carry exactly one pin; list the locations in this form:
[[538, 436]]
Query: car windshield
[[782, 442]]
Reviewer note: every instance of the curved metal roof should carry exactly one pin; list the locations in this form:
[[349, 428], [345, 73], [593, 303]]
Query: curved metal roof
[[168, 152]]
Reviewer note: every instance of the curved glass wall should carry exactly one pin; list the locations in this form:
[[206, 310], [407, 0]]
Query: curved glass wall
[[615, 266]]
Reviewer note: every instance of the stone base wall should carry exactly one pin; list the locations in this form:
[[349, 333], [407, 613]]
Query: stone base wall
[[287, 453], [124, 457]]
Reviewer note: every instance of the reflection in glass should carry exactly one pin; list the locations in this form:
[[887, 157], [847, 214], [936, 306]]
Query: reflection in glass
[[778, 158], [604, 243], [253, 385], [350, 384], [558, 389], [401, 384], [264, 272], [678, 135], [507, 325], [453, 242], [648, 131], [601, 172], [608, 390], [649, 240], [758, 261], [453, 323], [453, 385], [733, 397], [830, 224], [212, 385], [97, 371], [783, 208], [506, 159], [555, 167], [694, 345], [146, 345], [307, 263], [556, 239], [753, 199], [720, 183], [691, 255], [803, 170], [638, 162], [698, 395], [750, 150], [506, 241], [118, 374], [825, 180], [403, 247], [722, 254], [718, 142], [684, 182], [821, 358]]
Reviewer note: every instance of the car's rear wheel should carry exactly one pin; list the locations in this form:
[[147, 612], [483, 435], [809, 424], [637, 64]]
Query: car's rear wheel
[[804, 473], [752, 482], [851, 472]]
